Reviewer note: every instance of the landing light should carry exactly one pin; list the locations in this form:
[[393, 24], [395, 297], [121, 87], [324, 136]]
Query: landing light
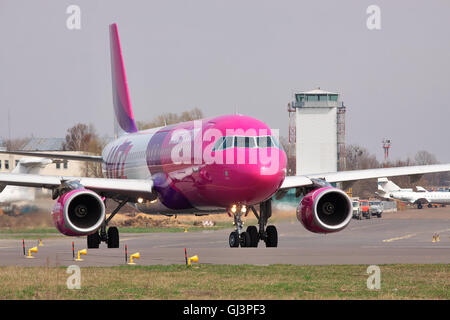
[[140, 200], [233, 208], [244, 209]]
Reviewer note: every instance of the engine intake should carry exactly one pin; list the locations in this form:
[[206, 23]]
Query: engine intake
[[325, 210], [78, 212]]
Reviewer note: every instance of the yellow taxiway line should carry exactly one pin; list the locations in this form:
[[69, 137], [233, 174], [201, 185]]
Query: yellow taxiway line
[[401, 238]]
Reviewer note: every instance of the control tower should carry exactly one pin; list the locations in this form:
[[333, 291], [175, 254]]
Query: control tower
[[320, 132]]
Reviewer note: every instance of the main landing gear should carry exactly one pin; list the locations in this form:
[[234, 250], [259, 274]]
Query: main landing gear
[[111, 237], [252, 235]]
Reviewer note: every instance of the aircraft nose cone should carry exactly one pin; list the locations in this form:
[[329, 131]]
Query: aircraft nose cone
[[263, 179]]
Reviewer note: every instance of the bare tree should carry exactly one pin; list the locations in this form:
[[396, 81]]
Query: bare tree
[[16, 144], [425, 158], [82, 137], [358, 158], [79, 137], [171, 118]]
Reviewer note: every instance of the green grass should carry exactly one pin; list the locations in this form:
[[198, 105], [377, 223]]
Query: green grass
[[46, 233], [218, 226], [216, 282]]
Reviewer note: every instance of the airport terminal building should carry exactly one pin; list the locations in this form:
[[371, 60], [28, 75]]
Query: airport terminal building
[[67, 167]]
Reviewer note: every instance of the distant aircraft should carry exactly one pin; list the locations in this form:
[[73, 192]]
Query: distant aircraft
[[16, 194], [389, 190], [229, 163]]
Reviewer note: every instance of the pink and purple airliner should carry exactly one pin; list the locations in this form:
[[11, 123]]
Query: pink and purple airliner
[[231, 163]]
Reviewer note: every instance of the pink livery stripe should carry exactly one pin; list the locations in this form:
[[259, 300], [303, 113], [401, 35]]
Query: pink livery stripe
[[121, 97]]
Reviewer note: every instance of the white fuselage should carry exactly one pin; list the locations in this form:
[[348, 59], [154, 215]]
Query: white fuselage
[[421, 197]]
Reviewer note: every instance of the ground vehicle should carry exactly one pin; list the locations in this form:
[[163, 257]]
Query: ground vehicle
[[356, 209], [364, 207], [375, 208]]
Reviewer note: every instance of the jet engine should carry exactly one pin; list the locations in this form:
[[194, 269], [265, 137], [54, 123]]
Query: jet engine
[[325, 210], [78, 212]]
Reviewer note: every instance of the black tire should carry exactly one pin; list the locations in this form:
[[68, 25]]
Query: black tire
[[272, 237], [245, 240], [254, 239], [419, 206], [93, 241], [379, 215], [430, 205], [233, 240], [113, 237]]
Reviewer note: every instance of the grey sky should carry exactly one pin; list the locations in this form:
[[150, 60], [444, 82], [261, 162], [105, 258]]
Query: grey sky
[[222, 55]]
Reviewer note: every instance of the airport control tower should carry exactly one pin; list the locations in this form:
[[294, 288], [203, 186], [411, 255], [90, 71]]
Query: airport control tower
[[320, 132]]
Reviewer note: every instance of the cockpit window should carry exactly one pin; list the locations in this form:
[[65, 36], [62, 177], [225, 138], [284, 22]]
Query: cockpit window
[[218, 144], [245, 142], [250, 142]]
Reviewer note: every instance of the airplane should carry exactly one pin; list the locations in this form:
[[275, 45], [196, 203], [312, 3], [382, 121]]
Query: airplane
[[19, 195], [389, 190], [230, 163]]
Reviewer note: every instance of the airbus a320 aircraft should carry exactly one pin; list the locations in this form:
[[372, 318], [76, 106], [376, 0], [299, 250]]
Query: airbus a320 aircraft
[[228, 163]]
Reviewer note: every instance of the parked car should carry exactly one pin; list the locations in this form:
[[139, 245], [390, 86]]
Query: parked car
[[376, 208], [364, 205]]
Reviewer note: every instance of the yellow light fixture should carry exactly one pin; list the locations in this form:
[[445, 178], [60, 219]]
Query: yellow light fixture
[[136, 255]]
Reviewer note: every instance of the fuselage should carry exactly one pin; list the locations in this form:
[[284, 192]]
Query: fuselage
[[421, 197], [202, 165]]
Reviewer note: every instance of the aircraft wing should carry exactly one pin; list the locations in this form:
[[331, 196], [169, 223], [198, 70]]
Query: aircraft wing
[[112, 188], [354, 175], [64, 156]]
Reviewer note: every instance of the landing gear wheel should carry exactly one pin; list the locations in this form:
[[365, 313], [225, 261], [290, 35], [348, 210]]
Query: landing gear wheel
[[253, 233], [419, 206], [272, 237], [113, 237], [245, 240], [430, 205], [233, 240], [93, 241]]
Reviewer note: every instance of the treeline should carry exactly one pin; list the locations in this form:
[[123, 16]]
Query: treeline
[[358, 158]]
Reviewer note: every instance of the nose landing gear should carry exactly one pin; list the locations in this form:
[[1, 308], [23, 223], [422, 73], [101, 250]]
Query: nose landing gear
[[252, 235]]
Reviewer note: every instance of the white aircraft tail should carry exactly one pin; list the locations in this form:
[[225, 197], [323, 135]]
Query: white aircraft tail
[[25, 166], [386, 186]]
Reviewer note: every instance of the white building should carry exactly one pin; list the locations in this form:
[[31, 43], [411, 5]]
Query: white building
[[51, 145], [320, 132]]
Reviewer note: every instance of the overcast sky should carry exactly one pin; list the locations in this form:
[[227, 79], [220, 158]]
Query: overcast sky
[[219, 56]]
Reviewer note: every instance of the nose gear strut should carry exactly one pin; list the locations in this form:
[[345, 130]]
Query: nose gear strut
[[252, 235]]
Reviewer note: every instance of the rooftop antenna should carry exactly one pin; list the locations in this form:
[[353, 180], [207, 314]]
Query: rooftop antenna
[[9, 125]]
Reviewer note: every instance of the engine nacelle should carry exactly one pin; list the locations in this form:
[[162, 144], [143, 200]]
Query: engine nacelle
[[325, 210], [78, 212]]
